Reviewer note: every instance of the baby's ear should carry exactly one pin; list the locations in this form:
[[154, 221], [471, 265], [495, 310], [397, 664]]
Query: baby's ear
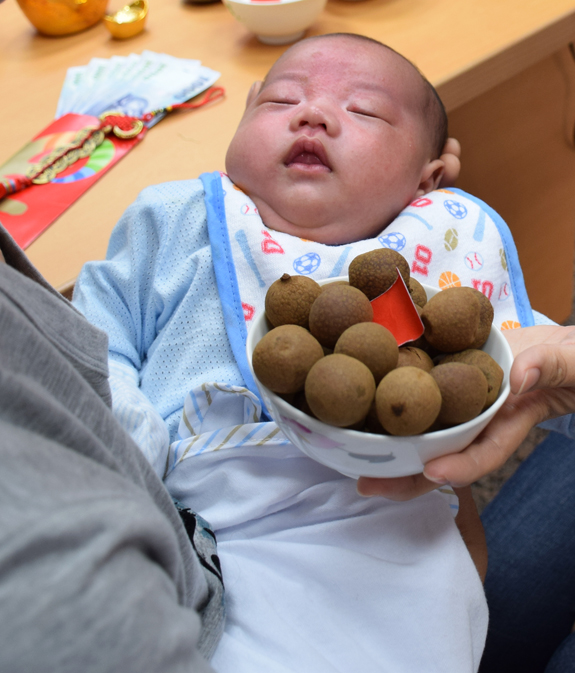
[[430, 177], [253, 92]]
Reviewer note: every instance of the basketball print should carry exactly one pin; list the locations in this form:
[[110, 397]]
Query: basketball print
[[510, 324], [451, 239], [448, 279], [473, 261]]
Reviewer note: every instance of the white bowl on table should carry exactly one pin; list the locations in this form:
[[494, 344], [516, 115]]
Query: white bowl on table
[[356, 453], [276, 21]]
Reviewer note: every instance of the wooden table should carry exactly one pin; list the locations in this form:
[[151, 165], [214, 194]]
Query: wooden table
[[502, 67]]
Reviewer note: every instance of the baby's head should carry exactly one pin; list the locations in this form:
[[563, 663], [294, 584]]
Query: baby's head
[[342, 135]]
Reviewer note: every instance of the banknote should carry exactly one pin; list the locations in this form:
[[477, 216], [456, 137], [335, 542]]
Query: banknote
[[133, 84]]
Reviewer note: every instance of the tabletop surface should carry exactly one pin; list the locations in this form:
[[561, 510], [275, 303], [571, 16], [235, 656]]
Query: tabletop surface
[[462, 46]]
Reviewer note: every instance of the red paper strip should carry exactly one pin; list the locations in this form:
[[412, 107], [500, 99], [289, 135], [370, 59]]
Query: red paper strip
[[28, 213], [395, 310]]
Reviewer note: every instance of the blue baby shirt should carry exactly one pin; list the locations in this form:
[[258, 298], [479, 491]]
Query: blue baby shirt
[[156, 298]]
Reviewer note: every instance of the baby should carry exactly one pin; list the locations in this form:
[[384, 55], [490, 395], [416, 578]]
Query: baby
[[342, 138], [323, 134]]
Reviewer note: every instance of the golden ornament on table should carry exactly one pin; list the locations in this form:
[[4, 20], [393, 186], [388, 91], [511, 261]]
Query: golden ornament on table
[[128, 21], [63, 17]]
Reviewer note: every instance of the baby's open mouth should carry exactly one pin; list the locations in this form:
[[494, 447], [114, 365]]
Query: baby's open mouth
[[308, 152]]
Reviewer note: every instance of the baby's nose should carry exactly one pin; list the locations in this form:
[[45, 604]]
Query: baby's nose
[[315, 116]]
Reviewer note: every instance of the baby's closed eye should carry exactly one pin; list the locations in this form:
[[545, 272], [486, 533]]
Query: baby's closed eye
[[283, 101], [369, 113], [364, 113]]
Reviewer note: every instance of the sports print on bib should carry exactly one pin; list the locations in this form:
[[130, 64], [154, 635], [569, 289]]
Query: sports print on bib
[[449, 238]]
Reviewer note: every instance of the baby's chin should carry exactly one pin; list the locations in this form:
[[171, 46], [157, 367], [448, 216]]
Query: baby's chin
[[337, 232], [309, 218]]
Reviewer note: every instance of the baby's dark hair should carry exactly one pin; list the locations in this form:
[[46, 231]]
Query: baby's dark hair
[[433, 110]]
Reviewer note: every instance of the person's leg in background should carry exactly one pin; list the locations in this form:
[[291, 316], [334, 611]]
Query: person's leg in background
[[530, 583], [563, 661]]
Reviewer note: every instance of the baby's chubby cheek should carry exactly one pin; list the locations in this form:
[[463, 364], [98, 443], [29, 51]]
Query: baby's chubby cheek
[[246, 170], [232, 163]]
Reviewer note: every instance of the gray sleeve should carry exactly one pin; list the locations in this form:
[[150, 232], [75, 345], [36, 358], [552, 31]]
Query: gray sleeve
[[97, 572], [87, 573]]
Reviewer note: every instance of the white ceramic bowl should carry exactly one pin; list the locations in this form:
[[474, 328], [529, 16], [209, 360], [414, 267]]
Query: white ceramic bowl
[[276, 21], [355, 453]]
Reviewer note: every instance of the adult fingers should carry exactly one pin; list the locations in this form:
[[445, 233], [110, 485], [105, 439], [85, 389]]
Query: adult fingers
[[452, 146], [398, 488], [451, 169], [452, 165], [543, 366], [493, 446], [488, 452]]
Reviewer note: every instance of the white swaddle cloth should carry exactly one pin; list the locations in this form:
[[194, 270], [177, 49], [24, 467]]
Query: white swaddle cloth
[[318, 579]]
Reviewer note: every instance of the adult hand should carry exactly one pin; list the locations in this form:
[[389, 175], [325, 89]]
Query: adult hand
[[452, 164], [542, 386]]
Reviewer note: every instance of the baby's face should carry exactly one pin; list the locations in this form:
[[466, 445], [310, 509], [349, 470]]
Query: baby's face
[[333, 146]]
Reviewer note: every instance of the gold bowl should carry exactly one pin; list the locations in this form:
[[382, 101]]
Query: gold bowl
[[63, 17], [128, 21]]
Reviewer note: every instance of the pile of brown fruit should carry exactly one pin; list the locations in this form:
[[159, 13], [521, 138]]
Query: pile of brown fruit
[[327, 357]]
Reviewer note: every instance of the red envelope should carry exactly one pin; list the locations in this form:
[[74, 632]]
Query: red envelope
[[395, 310], [28, 213]]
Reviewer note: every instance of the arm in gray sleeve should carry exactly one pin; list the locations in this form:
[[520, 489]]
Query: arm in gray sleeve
[[91, 574], [97, 572]]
